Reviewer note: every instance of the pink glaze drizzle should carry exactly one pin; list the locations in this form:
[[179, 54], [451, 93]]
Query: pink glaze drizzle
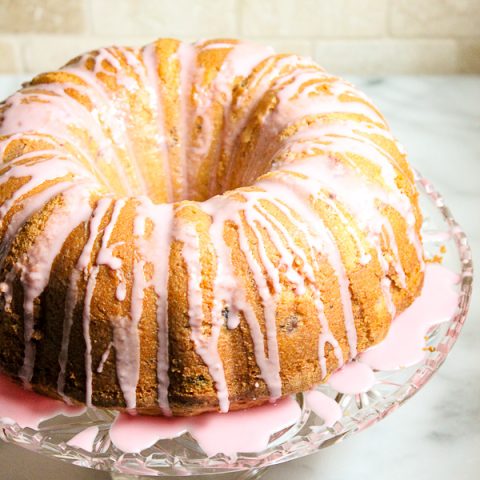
[[153, 251], [205, 347], [46, 111], [155, 92], [239, 431], [72, 292], [104, 257], [36, 264]]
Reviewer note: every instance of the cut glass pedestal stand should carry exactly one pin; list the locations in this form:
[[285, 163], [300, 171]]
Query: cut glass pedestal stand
[[182, 456]]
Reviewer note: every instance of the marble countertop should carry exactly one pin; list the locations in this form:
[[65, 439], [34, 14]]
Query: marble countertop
[[436, 435]]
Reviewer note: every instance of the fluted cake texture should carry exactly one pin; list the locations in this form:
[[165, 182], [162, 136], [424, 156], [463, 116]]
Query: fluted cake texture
[[187, 228]]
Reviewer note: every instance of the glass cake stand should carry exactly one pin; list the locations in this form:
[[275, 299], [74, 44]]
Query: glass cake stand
[[182, 456]]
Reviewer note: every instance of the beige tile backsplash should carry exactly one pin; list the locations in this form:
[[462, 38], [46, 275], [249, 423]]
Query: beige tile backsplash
[[345, 36], [46, 16]]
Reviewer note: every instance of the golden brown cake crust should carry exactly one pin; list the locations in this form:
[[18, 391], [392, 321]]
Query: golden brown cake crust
[[188, 228]]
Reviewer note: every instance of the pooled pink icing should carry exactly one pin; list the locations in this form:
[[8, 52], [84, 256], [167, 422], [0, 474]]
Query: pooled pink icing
[[27, 408], [134, 433], [241, 431], [84, 439], [404, 345], [405, 341], [323, 406], [353, 377], [244, 430]]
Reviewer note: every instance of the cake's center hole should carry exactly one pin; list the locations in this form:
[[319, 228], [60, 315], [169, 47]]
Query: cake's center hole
[[168, 177]]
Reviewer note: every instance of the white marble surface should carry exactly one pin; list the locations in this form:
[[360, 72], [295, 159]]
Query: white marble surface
[[436, 435]]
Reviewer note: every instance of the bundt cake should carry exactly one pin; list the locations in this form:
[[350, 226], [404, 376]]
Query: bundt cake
[[187, 228]]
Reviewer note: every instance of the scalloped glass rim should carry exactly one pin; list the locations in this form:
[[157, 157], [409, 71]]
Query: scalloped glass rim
[[182, 456]]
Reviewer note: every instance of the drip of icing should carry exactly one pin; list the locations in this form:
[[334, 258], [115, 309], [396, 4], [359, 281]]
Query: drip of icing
[[41, 172], [308, 270], [269, 303], [240, 431], [58, 113], [300, 202], [72, 292], [127, 347], [35, 266], [104, 257], [105, 254], [104, 358], [126, 339], [227, 209], [162, 238], [404, 344], [348, 188], [84, 439], [206, 348], [89, 289], [27, 408], [385, 284], [31, 205], [353, 377], [323, 406], [156, 251], [154, 89], [108, 112], [187, 57], [121, 291]]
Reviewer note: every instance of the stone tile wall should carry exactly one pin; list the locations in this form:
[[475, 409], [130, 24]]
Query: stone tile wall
[[345, 36]]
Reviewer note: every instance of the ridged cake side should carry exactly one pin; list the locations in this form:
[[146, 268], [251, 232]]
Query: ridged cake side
[[187, 228]]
